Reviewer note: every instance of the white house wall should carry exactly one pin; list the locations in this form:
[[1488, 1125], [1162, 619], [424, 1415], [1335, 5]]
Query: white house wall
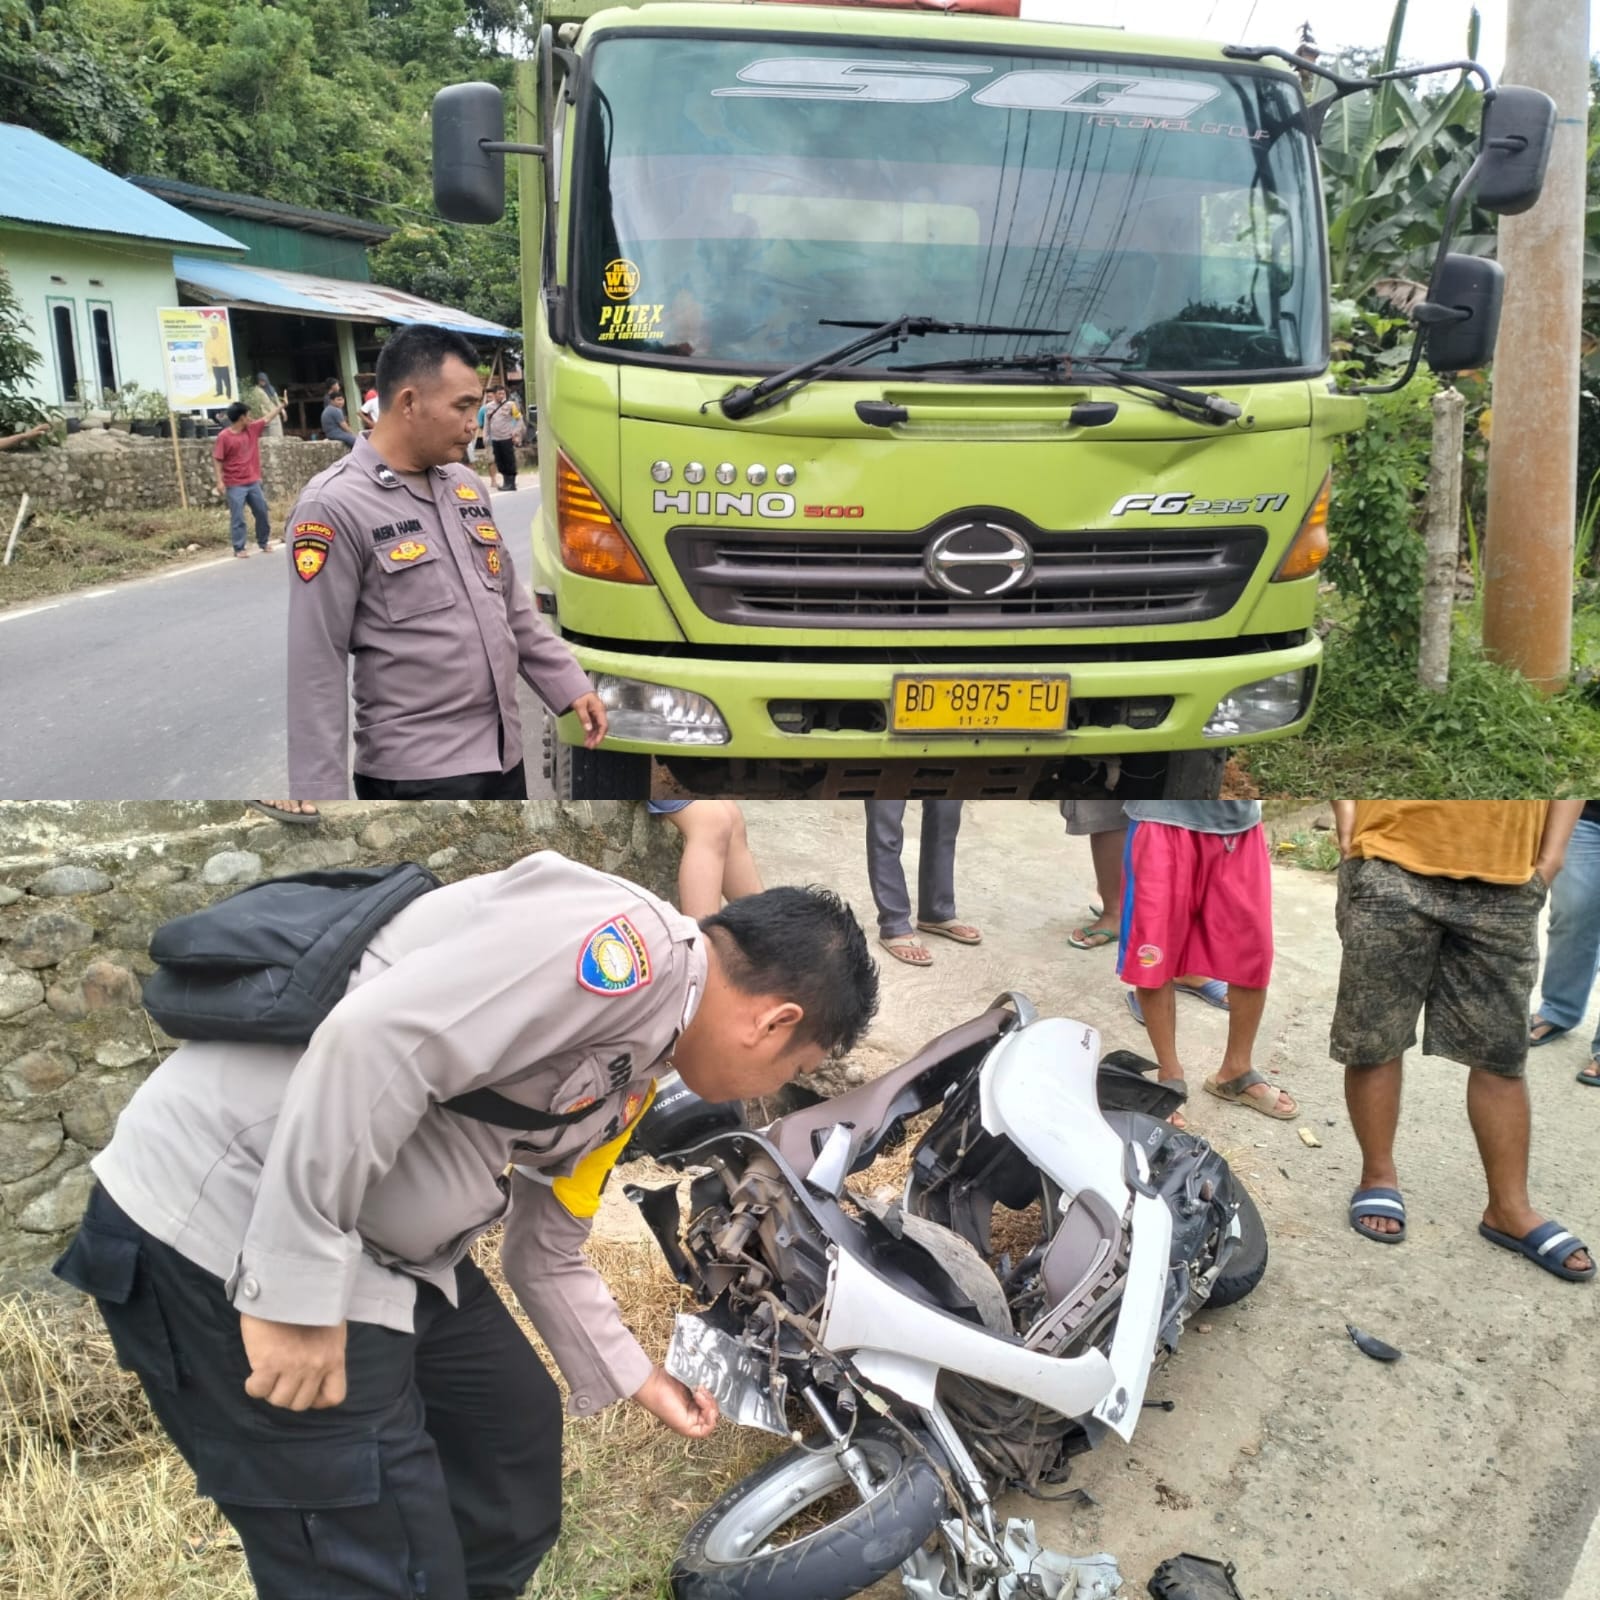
[[134, 279]]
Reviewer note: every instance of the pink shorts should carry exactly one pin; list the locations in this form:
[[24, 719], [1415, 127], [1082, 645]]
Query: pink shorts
[[1195, 904]]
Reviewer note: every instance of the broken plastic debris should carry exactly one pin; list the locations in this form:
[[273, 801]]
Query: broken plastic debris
[[1369, 1346], [1188, 1577], [1307, 1137]]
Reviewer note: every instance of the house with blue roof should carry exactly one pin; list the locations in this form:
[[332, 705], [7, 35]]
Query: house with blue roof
[[90, 259], [92, 256]]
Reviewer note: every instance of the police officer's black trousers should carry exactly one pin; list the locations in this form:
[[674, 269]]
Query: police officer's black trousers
[[439, 1478]]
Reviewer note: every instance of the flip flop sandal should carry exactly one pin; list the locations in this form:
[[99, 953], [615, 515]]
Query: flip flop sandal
[[305, 819], [961, 932], [900, 946], [1378, 1203], [1213, 991], [1590, 1074], [1546, 1246], [1087, 938], [1544, 1038], [1237, 1092], [1133, 1006]]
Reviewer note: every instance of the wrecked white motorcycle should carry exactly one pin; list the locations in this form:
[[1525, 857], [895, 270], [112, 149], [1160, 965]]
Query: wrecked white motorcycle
[[941, 1367]]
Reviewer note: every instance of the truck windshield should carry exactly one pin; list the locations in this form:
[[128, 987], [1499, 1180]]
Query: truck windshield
[[1166, 212]]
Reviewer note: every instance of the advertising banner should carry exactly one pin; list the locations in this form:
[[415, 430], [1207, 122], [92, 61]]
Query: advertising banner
[[197, 357]]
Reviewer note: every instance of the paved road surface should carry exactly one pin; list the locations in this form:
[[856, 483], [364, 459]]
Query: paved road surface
[[171, 687]]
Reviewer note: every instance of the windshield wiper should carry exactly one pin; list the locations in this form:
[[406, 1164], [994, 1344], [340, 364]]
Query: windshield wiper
[[745, 399], [1190, 403]]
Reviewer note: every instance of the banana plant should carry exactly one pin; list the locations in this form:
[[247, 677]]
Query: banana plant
[[1389, 162]]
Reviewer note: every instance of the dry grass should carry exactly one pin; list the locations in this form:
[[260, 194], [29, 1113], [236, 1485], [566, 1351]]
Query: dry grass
[[57, 552], [96, 1505]]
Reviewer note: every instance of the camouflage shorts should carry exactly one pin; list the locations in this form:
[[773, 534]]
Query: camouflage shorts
[[1464, 951]]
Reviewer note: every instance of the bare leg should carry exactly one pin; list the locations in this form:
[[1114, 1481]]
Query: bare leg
[[1501, 1123], [1160, 1008], [1245, 1007], [707, 832], [740, 875], [1372, 1097], [1105, 849]]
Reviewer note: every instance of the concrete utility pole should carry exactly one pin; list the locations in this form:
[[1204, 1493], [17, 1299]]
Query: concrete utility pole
[[1533, 461]]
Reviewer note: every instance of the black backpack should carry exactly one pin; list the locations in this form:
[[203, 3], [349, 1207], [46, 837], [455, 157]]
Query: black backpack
[[266, 965]]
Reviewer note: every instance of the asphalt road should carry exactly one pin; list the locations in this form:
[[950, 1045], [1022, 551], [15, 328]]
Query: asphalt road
[[173, 686]]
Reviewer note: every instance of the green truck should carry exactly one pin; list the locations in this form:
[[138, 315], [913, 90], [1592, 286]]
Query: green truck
[[933, 402]]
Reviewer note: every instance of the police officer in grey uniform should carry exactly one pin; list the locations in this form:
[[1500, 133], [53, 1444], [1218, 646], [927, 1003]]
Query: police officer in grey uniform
[[278, 1242], [397, 564]]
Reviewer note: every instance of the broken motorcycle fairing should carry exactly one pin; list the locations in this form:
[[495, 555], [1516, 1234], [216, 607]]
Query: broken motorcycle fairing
[[997, 1365]]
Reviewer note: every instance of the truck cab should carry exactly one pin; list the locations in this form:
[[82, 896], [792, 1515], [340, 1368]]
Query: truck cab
[[930, 401]]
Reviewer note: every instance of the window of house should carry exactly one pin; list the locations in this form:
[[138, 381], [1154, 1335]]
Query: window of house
[[105, 345], [63, 329]]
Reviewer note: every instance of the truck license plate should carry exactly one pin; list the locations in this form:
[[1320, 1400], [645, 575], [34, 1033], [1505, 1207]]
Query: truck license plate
[[978, 705]]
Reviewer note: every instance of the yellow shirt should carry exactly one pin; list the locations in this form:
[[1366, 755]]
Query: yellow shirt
[[1496, 841], [217, 345]]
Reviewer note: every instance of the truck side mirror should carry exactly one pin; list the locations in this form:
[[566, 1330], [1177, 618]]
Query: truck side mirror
[[1518, 126], [1461, 315], [469, 182]]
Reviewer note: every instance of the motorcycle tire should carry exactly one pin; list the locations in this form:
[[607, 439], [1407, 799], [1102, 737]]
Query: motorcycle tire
[[727, 1554], [1248, 1264]]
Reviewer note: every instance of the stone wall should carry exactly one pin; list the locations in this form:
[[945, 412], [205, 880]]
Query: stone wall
[[98, 470], [82, 886]]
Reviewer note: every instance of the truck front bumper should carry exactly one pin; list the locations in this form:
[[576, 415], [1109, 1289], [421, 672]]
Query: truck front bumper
[[839, 710]]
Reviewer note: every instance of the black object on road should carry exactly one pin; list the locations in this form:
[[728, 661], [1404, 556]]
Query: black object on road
[[1189, 1577], [1369, 1346]]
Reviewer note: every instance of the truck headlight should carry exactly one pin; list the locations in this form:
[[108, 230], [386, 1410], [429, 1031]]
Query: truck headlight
[[1261, 706], [654, 713]]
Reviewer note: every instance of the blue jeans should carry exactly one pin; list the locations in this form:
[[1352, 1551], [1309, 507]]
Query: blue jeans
[[1573, 958], [241, 495]]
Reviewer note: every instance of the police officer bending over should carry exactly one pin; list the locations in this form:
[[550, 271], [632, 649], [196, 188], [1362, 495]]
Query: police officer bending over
[[398, 565], [278, 1240]]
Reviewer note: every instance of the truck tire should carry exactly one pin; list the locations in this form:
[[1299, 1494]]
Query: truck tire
[[579, 774], [728, 1554], [1172, 775], [1248, 1263]]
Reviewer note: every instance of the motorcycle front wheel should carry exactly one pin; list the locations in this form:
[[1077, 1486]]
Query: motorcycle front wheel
[[798, 1529]]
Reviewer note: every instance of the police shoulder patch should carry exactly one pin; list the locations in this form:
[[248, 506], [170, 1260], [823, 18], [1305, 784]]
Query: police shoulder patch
[[313, 530], [466, 492], [614, 959], [310, 556]]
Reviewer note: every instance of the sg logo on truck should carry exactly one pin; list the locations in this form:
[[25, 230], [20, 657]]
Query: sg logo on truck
[[1096, 93]]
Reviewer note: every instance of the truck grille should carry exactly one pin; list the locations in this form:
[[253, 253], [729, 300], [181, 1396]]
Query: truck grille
[[852, 579]]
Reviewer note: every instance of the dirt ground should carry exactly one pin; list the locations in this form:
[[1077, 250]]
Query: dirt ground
[[1469, 1468]]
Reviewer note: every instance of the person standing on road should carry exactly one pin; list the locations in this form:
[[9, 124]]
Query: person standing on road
[[237, 458], [398, 566], [936, 878], [502, 426], [279, 1240], [1197, 898], [333, 418], [1573, 958], [1438, 913]]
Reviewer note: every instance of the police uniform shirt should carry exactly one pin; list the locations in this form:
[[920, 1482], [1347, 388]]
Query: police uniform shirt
[[415, 586], [321, 1184]]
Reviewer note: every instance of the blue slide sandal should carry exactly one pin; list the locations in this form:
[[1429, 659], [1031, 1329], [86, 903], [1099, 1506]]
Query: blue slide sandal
[[1546, 1246], [1378, 1203]]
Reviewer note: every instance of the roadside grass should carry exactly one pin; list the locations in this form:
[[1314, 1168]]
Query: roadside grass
[[1315, 849], [1377, 732], [94, 1503], [57, 552]]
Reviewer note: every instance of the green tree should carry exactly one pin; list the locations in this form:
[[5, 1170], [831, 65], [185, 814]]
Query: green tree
[[18, 358]]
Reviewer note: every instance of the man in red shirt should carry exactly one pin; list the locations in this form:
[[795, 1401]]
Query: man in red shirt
[[237, 455]]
